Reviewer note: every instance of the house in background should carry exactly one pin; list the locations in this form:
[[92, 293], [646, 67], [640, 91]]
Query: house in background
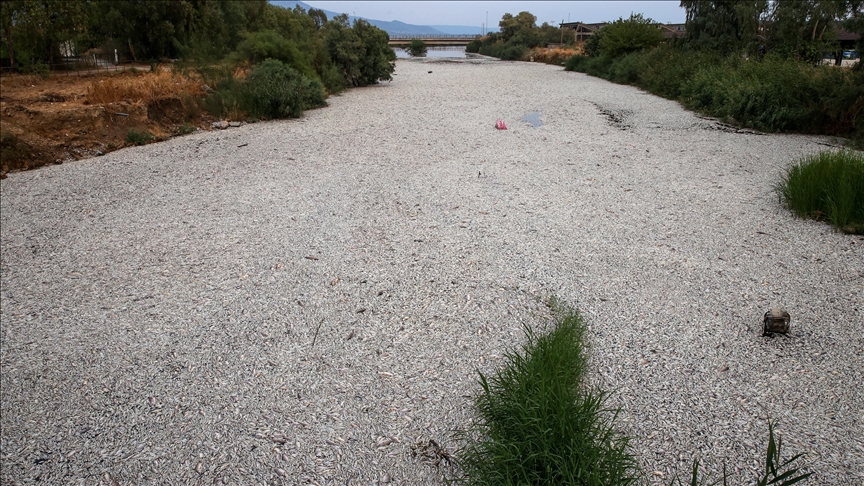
[[582, 31]]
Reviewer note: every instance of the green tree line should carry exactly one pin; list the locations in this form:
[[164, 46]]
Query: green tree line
[[36, 33], [799, 29], [517, 35]]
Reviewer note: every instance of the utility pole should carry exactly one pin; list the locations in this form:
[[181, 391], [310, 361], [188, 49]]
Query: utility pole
[[487, 20]]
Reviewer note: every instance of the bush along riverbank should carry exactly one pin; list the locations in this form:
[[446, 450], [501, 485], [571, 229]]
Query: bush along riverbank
[[773, 81], [772, 94]]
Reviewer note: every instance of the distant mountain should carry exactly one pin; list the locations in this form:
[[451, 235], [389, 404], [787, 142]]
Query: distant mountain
[[395, 27], [392, 27]]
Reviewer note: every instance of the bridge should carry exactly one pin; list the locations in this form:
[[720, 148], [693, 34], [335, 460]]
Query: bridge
[[433, 39]]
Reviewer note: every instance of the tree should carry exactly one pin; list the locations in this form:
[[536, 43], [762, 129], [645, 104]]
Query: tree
[[625, 36], [417, 48], [268, 44], [38, 28], [10, 19], [511, 25], [804, 30], [724, 25], [361, 53], [377, 60], [147, 29], [318, 16]]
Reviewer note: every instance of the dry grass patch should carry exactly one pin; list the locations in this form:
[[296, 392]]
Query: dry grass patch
[[555, 55], [19, 80], [144, 88]]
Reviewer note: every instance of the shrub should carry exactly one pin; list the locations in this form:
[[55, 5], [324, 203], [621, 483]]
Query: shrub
[[473, 46], [625, 36], [625, 69], [512, 53], [595, 66], [779, 95], [667, 69], [269, 44], [138, 138], [771, 95], [333, 80], [36, 68], [598, 66], [576, 63], [591, 47], [276, 90], [504, 51], [417, 48], [827, 186], [228, 98], [185, 129], [539, 422]]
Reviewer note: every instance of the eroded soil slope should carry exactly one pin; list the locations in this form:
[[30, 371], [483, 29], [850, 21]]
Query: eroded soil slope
[[52, 120]]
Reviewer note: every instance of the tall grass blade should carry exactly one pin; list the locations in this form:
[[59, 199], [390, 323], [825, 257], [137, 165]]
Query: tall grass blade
[[539, 422]]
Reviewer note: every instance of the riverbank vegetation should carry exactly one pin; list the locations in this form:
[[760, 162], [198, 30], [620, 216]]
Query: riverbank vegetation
[[760, 67], [539, 421], [417, 48], [518, 35], [827, 186], [47, 33], [235, 60]]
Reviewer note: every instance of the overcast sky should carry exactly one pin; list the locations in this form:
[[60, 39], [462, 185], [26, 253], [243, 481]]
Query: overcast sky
[[474, 13]]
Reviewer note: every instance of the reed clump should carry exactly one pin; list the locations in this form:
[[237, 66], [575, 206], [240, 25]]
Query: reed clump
[[827, 186]]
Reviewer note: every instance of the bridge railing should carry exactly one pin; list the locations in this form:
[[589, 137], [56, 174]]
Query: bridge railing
[[433, 36]]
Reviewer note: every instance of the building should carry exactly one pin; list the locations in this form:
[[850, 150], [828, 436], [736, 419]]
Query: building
[[582, 31]]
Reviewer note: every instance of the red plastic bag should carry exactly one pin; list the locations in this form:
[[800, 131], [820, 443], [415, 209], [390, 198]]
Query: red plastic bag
[[499, 124]]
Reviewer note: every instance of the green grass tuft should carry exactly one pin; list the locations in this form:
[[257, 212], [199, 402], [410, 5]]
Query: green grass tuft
[[777, 472], [827, 186], [186, 128], [539, 421], [138, 138]]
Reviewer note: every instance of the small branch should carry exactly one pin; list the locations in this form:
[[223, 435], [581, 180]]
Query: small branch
[[316, 332]]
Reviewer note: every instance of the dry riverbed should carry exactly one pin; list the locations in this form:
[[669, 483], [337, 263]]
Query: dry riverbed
[[306, 301]]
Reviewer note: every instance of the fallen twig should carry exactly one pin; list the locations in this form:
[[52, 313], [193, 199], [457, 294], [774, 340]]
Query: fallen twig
[[316, 332]]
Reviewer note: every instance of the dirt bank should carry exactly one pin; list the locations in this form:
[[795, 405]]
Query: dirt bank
[[45, 121]]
